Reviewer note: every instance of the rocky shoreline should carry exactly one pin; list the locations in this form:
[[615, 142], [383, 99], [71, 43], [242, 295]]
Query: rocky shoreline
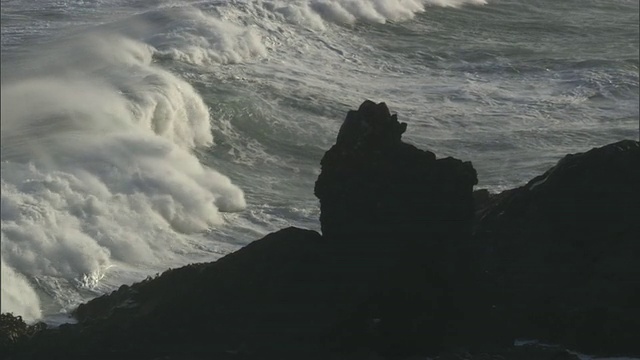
[[411, 263]]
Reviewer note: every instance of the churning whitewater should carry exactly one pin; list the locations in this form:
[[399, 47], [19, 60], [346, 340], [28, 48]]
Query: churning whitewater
[[143, 135]]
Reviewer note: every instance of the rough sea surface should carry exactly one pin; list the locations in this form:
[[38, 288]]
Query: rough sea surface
[[142, 135]]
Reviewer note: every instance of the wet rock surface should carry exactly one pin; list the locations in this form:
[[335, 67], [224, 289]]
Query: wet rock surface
[[411, 263]]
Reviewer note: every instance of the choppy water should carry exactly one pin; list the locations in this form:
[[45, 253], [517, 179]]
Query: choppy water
[[143, 135]]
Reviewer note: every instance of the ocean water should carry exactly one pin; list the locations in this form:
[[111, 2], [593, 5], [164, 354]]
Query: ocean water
[[138, 136]]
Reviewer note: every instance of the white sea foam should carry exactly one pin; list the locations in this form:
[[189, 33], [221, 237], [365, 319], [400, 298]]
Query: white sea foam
[[189, 35], [312, 12], [352, 11], [18, 297], [97, 166], [455, 3], [318, 14]]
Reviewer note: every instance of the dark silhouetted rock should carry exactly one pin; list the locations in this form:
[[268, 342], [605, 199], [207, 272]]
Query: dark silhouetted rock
[[374, 186], [13, 330], [565, 250], [398, 209], [267, 298]]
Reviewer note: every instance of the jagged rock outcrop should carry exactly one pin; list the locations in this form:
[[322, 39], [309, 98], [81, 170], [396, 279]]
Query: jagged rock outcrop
[[564, 251], [401, 211], [373, 185]]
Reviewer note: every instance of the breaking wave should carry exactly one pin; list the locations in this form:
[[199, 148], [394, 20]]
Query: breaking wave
[[97, 166]]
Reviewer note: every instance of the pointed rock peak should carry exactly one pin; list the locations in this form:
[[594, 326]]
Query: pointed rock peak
[[372, 125], [373, 184]]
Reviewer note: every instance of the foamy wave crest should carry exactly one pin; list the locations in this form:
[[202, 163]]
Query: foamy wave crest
[[313, 12], [455, 3], [379, 11], [347, 12], [17, 295], [97, 166], [189, 35]]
